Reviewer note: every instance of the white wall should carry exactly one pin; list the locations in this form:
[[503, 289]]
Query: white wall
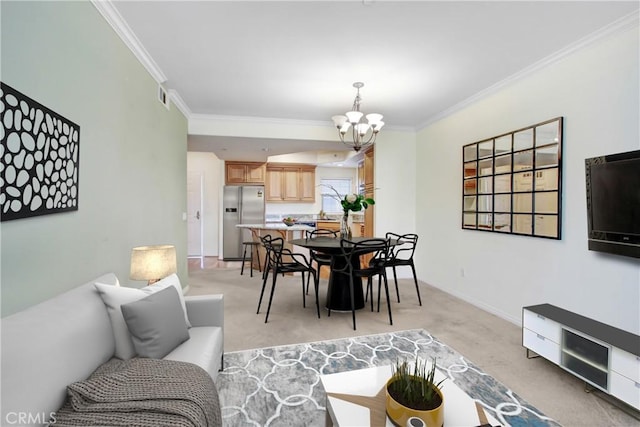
[[596, 89], [396, 185], [212, 170]]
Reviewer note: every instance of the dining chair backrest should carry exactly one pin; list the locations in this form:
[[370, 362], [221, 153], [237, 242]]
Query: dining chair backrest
[[321, 232], [405, 248], [273, 246], [350, 250]]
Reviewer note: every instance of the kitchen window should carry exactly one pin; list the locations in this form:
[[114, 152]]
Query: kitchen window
[[329, 202]]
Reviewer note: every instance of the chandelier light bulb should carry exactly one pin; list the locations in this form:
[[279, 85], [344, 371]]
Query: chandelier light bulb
[[361, 128]]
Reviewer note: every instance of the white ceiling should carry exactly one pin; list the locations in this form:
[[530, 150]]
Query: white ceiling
[[297, 60]]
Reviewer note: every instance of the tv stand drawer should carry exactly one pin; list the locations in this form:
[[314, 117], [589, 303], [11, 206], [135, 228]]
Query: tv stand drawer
[[624, 389], [541, 345], [626, 364], [542, 325]]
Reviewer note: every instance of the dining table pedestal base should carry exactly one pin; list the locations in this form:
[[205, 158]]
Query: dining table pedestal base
[[338, 294]]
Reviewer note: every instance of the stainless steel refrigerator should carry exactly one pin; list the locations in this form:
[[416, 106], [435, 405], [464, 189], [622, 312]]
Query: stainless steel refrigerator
[[241, 204]]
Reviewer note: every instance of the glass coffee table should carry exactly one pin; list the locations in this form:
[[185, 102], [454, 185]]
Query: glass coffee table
[[357, 398]]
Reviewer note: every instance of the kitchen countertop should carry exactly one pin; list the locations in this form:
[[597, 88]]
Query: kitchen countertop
[[355, 221], [277, 226], [302, 221]]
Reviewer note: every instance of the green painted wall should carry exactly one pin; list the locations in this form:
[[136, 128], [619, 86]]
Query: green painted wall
[[132, 182]]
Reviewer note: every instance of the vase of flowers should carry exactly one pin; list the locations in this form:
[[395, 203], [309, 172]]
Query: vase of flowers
[[350, 203], [345, 228]]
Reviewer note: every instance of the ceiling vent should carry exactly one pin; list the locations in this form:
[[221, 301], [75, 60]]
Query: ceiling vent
[[163, 96]]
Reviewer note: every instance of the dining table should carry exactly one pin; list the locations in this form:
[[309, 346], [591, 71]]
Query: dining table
[[338, 293]]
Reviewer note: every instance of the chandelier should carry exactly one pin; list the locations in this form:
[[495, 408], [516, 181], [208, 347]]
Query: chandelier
[[364, 132]]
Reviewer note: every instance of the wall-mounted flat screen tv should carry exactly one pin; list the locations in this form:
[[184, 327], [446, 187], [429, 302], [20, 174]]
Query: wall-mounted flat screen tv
[[613, 203]]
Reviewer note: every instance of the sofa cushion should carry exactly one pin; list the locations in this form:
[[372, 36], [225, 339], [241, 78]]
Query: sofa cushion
[[115, 296], [156, 323], [204, 348]]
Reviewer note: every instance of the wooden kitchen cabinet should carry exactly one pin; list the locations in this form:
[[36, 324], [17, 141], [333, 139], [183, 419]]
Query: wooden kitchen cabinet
[[368, 190], [308, 185], [368, 170], [274, 185], [328, 225], [245, 173], [290, 183]]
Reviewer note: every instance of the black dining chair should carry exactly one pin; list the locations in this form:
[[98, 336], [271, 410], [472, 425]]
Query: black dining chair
[[399, 255], [351, 251], [281, 261], [266, 258], [320, 258]]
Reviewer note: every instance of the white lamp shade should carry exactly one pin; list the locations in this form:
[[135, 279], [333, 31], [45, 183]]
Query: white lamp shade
[[153, 262], [354, 117], [345, 127], [378, 126], [374, 118], [339, 120]]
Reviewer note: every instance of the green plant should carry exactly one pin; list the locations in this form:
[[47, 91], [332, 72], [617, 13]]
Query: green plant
[[415, 388], [351, 202]]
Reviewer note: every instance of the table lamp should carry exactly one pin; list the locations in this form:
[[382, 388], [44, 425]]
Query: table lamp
[[152, 263]]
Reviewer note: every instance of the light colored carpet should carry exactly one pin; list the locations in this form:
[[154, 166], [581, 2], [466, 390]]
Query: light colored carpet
[[493, 344]]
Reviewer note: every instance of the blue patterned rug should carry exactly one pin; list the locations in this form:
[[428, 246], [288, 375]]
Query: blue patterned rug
[[280, 386]]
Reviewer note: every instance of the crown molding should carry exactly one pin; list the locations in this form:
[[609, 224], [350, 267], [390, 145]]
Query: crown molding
[[113, 17], [263, 120], [179, 103], [213, 118], [625, 23]]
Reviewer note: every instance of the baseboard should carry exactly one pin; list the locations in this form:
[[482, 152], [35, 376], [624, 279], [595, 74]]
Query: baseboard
[[490, 309]]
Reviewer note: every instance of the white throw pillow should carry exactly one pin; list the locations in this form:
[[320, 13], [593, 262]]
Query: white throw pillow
[[114, 296]]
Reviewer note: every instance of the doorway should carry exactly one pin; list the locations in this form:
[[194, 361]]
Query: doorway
[[195, 229]]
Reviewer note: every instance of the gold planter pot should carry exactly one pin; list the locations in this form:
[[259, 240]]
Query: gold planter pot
[[399, 413]]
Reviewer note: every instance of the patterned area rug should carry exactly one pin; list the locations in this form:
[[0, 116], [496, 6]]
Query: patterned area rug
[[280, 386]]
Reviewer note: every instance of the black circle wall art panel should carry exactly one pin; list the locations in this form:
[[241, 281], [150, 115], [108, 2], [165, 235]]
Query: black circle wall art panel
[[40, 153]]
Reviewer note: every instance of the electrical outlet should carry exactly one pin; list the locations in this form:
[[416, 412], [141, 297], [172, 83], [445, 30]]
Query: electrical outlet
[[462, 272]]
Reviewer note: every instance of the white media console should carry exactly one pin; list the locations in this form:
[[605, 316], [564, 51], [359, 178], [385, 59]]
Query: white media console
[[605, 357]]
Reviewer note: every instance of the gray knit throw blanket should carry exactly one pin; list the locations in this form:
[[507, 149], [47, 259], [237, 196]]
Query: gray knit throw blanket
[[142, 392]]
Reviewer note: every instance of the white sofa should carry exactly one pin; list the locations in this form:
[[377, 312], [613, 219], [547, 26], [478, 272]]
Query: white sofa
[[63, 340]]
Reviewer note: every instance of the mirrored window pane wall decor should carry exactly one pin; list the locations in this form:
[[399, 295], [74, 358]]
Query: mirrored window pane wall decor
[[511, 183]]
